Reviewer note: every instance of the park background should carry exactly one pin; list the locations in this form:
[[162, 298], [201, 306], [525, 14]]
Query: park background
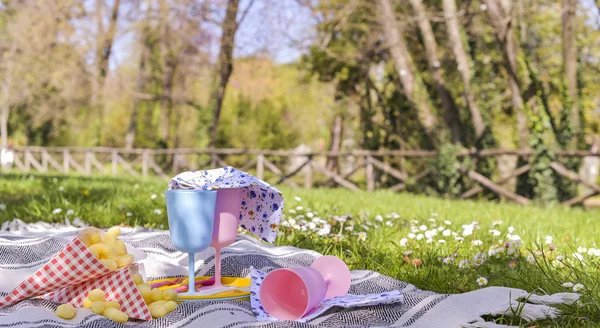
[[496, 100]]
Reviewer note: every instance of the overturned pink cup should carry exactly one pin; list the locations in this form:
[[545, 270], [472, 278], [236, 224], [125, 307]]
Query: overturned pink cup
[[290, 294]]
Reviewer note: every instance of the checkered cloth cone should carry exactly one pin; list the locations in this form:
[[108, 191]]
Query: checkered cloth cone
[[74, 264], [118, 286]]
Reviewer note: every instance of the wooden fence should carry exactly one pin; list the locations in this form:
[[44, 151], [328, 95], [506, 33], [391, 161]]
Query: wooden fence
[[365, 171]]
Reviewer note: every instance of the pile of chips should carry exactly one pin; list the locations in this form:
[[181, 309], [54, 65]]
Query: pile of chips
[[111, 251]]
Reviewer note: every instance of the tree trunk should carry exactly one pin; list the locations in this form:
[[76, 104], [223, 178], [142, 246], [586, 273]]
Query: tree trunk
[[104, 45], [500, 15], [335, 141], [224, 66], [569, 38], [451, 114], [169, 67], [139, 87], [462, 60], [412, 88]]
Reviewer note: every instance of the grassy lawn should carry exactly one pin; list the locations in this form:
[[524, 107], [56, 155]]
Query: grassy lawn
[[457, 242]]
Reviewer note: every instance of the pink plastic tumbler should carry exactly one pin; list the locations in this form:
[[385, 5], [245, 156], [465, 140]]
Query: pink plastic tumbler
[[290, 294]]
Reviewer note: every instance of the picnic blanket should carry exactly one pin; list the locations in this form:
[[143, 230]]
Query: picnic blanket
[[28, 246]]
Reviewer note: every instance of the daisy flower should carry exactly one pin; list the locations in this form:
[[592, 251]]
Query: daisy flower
[[157, 212], [446, 232], [530, 258], [481, 281], [362, 236], [298, 199], [512, 264], [408, 252], [70, 212], [577, 287], [447, 222], [568, 284], [379, 218], [389, 223], [447, 260], [442, 241], [463, 264], [412, 235], [153, 196], [478, 261], [2, 207], [57, 211], [477, 242], [129, 214], [403, 241]]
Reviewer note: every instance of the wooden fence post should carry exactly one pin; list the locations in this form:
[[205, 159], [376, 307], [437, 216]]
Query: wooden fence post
[[308, 174], [370, 174], [114, 162], [260, 166], [145, 163], [88, 163], [66, 160]]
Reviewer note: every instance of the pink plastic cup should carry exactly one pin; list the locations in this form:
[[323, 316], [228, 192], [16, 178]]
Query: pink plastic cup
[[290, 294]]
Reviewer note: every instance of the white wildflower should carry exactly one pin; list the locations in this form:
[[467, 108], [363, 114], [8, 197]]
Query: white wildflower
[[157, 212], [379, 218], [389, 223], [530, 258], [61, 188], [447, 260], [497, 223], [481, 281], [459, 239], [420, 236], [403, 242], [153, 196], [362, 236], [568, 284], [411, 235], [70, 212], [326, 230], [57, 211], [495, 232], [548, 240], [299, 208], [312, 225], [310, 215], [129, 214], [292, 211], [511, 229], [430, 233], [446, 232], [298, 199], [442, 241], [423, 228], [578, 256], [582, 249], [2, 207], [429, 240], [463, 264], [477, 242], [447, 222], [408, 252], [577, 287], [478, 261], [349, 228]]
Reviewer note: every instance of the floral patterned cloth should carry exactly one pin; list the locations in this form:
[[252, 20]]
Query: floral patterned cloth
[[262, 204], [346, 301]]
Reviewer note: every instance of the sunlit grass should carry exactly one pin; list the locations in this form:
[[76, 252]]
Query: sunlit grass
[[381, 223]]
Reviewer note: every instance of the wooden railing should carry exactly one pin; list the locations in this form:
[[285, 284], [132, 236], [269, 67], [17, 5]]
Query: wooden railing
[[365, 171]]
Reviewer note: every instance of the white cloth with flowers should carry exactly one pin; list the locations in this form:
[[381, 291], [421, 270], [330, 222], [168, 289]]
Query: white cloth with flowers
[[26, 247]]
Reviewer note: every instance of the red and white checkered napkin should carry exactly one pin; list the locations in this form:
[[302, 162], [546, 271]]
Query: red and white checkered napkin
[[72, 265], [118, 286]]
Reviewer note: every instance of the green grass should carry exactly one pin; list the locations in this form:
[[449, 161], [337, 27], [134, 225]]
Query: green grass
[[104, 201]]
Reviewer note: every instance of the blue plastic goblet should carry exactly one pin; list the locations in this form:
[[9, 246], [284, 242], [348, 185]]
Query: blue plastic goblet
[[191, 218]]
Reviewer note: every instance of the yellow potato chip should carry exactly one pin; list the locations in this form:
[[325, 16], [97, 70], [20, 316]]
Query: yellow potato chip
[[96, 295], [115, 315], [98, 307], [137, 278], [169, 294], [124, 260], [113, 304], [65, 311]]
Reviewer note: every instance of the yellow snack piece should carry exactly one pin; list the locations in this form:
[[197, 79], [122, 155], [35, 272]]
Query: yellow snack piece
[[65, 311], [87, 303], [110, 264], [156, 294], [114, 231], [158, 311], [120, 247], [157, 303], [170, 306], [113, 304], [148, 300], [98, 307], [110, 240], [169, 294], [145, 290], [86, 240], [95, 238], [124, 260], [105, 251], [115, 315], [96, 295], [137, 278], [94, 252]]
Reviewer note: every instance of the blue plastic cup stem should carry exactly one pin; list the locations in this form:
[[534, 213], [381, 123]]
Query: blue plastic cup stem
[[191, 219]]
